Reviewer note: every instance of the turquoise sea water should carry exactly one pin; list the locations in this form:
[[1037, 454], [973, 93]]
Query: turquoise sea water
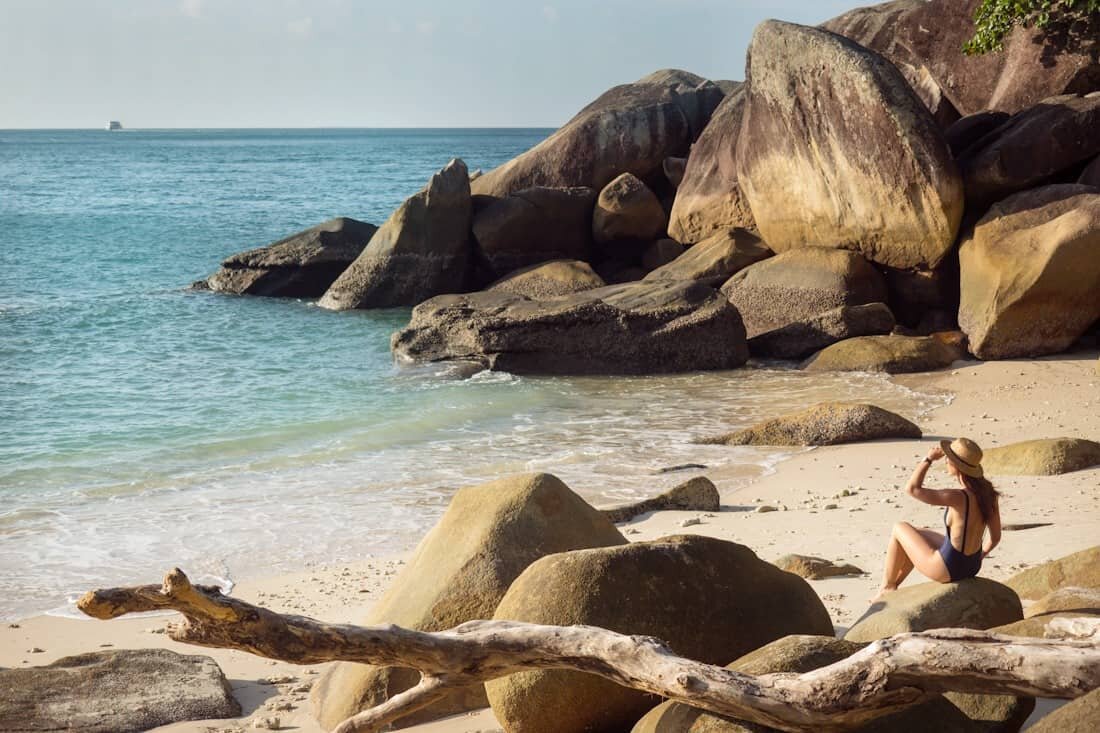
[[144, 426]]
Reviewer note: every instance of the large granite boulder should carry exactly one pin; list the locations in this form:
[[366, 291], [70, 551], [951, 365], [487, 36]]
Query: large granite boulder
[[836, 150], [1068, 599], [627, 209], [799, 654], [1056, 135], [637, 328], [929, 91], [715, 259], [800, 339], [709, 199], [630, 128], [117, 691], [827, 423], [1079, 570], [1079, 716], [422, 250], [459, 572], [303, 265], [696, 494], [1030, 273], [970, 129], [532, 226], [892, 354], [711, 600], [1044, 457], [550, 279], [974, 603], [1030, 68], [801, 283]]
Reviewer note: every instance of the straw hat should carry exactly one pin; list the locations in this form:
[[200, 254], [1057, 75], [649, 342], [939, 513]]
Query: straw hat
[[965, 455]]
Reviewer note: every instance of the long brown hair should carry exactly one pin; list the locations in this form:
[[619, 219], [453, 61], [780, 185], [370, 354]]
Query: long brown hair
[[984, 492]]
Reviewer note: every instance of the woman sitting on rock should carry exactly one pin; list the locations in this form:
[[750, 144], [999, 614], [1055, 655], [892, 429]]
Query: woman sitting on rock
[[968, 511]]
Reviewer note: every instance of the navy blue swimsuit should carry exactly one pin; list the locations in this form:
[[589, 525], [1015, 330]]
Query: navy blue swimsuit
[[959, 564]]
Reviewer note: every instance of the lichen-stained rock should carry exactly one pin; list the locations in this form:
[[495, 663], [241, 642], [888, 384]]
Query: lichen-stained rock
[[533, 226], [715, 259], [800, 284], [802, 338], [116, 691], [697, 494], [827, 423], [892, 354], [709, 199], [1079, 570], [835, 150], [630, 128], [928, 90], [489, 534], [627, 209], [302, 265], [1043, 457], [1030, 273], [711, 600], [1055, 135], [422, 250], [974, 603], [1029, 69], [635, 328], [550, 279]]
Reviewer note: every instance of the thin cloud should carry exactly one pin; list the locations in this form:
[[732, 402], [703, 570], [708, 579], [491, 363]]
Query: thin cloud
[[550, 13], [300, 27], [191, 8]]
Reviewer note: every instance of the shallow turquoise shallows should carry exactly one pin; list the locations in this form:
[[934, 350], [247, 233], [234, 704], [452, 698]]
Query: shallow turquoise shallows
[[144, 426]]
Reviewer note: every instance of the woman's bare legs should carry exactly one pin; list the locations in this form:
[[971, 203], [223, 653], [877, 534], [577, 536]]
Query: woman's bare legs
[[910, 547]]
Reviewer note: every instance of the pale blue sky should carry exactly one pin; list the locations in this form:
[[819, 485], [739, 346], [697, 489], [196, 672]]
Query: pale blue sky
[[355, 63]]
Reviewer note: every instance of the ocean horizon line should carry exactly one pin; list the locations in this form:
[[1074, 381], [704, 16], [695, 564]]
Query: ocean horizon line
[[319, 128]]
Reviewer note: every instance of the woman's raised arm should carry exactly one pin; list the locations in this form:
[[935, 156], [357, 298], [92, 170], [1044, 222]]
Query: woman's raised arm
[[935, 497]]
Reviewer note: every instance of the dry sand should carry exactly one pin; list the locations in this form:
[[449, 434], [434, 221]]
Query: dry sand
[[994, 403]]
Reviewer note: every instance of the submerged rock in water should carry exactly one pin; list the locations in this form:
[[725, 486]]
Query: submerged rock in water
[[303, 265], [118, 691], [637, 328]]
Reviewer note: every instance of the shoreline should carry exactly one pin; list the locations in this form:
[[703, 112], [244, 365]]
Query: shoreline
[[991, 402]]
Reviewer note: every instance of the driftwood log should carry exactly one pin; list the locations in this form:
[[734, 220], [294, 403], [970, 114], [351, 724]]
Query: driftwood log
[[882, 678]]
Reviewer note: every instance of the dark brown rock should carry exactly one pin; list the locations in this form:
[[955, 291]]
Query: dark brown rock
[[800, 284], [638, 328], [914, 294], [802, 338], [674, 170], [928, 90], [827, 423], [696, 494], [630, 128], [422, 250], [892, 354], [835, 150], [709, 199], [627, 209], [660, 253], [715, 259], [1055, 135], [1029, 69], [646, 588], [550, 279], [533, 226], [118, 691], [1030, 273], [972, 128], [303, 265], [1090, 176]]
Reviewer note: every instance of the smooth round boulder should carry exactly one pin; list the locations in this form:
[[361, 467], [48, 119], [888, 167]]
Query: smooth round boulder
[[459, 572], [835, 150], [974, 603], [696, 494], [1047, 457], [815, 568], [1068, 599], [799, 284], [715, 259], [532, 226], [892, 354], [1079, 570], [709, 199], [422, 250], [1055, 135], [827, 423], [1078, 716], [550, 279], [1030, 273], [627, 209], [802, 338], [711, 600]]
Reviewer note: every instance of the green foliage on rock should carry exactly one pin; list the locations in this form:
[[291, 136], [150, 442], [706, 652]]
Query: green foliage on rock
[[995, 19]]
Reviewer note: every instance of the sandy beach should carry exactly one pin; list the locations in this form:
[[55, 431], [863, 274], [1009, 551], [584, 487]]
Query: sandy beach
[[993, 403]]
